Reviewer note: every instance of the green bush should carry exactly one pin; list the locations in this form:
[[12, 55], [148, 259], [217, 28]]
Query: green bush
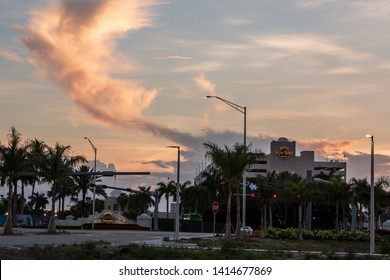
[[385, 245], [293, 234]]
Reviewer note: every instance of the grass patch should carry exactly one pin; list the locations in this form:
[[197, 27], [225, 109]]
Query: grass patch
[[247, 249]]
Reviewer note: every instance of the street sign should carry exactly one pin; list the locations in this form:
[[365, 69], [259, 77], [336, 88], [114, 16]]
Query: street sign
[[215, 207], [174, 207]]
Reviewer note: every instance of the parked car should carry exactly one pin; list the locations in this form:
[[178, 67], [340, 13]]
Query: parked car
[[246, 230]]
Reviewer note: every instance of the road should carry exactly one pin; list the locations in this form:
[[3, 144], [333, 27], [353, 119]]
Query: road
[[28, 237]]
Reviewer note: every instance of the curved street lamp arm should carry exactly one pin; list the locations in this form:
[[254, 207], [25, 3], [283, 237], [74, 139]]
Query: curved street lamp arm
[[235, 106]]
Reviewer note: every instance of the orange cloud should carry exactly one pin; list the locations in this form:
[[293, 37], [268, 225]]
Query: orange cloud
[[204, 84], [73, 44], [328, 148]]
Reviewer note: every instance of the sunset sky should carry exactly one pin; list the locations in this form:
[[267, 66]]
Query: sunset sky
[[131, 76]]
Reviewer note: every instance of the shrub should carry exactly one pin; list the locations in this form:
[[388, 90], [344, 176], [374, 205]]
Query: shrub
[[293, 234]]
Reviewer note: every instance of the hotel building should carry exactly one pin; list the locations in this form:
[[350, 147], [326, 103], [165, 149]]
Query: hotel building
[[283, 157]]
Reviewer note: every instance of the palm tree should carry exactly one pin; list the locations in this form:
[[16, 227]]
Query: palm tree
[[144, 198], [265, 192], [38, 203], [361, 195], [13, 162], [297, 191], [381, 195], [123, 200], [285, 184], [57, 165], [231, 163], [212, 180], [195, 199], [182, 188], [83, 184], [340, 193], [36, 150], [66, 188], [167, 190]]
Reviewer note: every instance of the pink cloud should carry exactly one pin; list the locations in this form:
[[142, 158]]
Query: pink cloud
[[205, 84], [10, 55], [331, 149], [73, 44]]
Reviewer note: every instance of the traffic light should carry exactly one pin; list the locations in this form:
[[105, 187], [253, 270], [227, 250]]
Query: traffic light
[[274, 195], [252, 195]]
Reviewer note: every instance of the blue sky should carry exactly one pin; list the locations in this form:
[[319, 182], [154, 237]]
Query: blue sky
[[131, 76]]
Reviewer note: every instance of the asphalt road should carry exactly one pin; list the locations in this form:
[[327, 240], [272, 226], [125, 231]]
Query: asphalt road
[[28, 237]]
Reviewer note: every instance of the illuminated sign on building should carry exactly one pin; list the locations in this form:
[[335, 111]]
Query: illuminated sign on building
[[284, 153]]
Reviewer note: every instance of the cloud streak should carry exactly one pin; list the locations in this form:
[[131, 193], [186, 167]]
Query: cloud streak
[[179, 57], [9, 55], [73, 44], [302, 44]]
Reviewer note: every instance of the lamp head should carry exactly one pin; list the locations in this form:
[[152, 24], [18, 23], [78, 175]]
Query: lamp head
[[369, 136]]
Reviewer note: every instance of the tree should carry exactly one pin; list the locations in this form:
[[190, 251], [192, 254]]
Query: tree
[[211, 181], [382, 197], [231, 163], [57, 165], [66, 188], [38, 203], [144, 198], [361, 197], [123, 200], [265, 195], [83, 183], [182, 189], [36, 151], [13, 162], [195, 199], [167, 190]]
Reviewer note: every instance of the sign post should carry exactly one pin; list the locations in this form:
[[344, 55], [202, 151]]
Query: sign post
[[215, 209]]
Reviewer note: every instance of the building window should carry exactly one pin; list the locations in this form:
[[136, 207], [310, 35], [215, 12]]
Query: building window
[[116, 207], [257, 170]]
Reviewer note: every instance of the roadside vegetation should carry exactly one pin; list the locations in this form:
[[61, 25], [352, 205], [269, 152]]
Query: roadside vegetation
[[247, 249]]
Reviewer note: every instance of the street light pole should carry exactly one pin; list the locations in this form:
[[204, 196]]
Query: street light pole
[[176, 235], [242, 110], [372, 201], [94, 184]]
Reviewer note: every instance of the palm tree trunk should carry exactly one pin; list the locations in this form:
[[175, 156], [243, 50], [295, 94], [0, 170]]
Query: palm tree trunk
[[83, 204], [270, 215], [167, 197], [63, 205], [52, 224], [8, 229], [22, 200], [238, 212], [337, 218], [15, 200], [33, 188], [300, 236], [228, 213]]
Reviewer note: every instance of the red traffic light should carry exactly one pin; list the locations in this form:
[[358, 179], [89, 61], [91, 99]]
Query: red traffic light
[[275, 195], [252, 195]]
